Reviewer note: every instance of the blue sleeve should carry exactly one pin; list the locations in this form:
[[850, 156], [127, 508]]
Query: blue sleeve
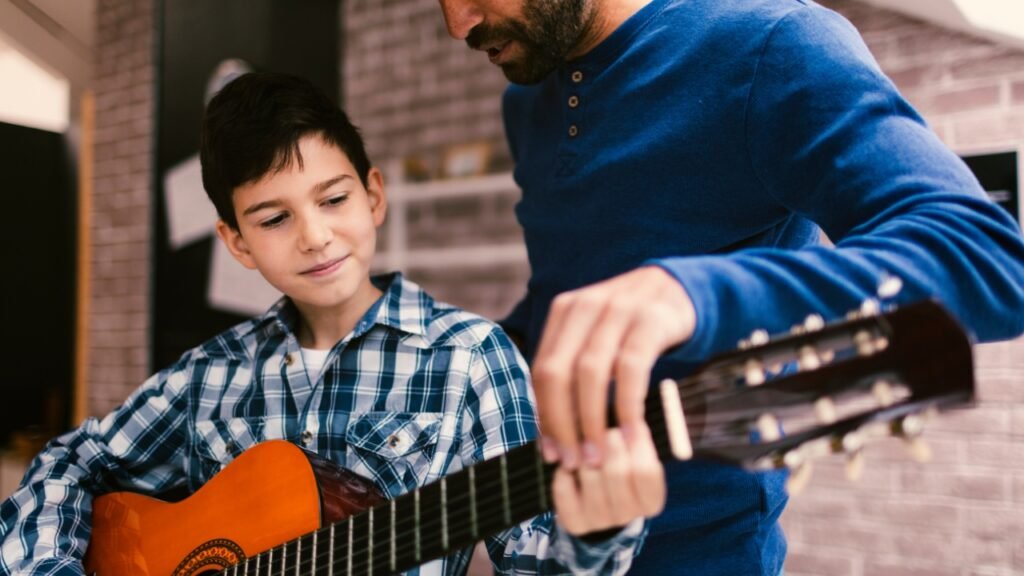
[[831, 139]]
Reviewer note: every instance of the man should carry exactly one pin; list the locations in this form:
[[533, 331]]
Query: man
[[678, 160]]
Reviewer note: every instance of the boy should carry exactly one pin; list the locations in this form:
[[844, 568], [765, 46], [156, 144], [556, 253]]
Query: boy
[[341, 360]]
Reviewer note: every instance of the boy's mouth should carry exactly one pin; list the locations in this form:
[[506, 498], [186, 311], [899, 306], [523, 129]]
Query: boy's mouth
[[324, 268]]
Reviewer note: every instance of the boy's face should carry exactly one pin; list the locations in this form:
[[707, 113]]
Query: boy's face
[[311, 231]]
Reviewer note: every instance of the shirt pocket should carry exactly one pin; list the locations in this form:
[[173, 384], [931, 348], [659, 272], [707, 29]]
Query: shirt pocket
[[395, 448], [220, 441]]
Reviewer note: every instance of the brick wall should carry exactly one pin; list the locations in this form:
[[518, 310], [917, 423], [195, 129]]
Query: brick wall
[[119, 322]]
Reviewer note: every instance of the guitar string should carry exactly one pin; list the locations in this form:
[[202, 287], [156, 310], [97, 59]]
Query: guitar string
[[687, 390]]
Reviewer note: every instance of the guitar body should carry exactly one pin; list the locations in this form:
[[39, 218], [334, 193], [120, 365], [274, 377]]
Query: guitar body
[[270, 494]]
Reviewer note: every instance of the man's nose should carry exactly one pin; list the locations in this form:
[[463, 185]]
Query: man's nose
[[461, 16]]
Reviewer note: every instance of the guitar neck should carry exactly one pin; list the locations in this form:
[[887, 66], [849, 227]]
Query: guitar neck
[[431, 522]]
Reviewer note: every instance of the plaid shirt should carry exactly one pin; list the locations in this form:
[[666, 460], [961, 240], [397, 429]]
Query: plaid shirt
[[439, 377]]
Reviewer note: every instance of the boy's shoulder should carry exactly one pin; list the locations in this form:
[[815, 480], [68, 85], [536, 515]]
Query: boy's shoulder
[[439, 323]]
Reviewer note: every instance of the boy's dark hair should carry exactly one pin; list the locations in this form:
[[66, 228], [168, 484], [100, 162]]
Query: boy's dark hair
[[252, 128]]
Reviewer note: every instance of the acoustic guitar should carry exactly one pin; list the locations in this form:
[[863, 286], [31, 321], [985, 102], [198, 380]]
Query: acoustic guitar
[[278, 509]]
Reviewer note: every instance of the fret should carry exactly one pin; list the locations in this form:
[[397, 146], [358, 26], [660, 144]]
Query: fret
[[330, 554], [349, 571], [416, 496], [392, 539], [369, 546], [474, 531], [258, 560], [504, 490], [298, 555], [444, 514], [541, 482], [270, 561], [312, 570], [284, 558]]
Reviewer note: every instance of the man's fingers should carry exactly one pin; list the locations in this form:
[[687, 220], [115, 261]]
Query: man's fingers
[[648, 475], [568, 507], [569, 322], [619, 487], [593, 372], [632, 372]]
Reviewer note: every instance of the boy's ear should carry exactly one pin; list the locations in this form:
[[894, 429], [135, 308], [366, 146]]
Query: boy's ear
[[236, 244], [376, 196]]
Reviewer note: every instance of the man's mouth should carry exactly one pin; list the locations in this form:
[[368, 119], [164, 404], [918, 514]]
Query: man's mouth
[[495, 52]]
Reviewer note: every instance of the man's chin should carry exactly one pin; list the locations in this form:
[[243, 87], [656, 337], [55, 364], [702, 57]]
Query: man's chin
[[518, 73]]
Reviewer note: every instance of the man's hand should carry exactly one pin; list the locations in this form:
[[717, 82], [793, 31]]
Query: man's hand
[[615, 329], [629, 484]]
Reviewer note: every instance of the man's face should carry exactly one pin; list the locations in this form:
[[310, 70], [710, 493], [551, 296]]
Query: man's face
[[529, 43]]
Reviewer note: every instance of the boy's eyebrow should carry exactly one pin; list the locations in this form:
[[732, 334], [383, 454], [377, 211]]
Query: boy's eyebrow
[[318, 188]]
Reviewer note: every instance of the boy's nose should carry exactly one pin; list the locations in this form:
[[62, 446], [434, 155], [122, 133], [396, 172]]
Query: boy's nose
[[460, 16], [315, 235]]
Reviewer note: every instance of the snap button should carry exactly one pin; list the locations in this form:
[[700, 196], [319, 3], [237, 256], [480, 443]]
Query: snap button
[[577, 76], [394, 440], [574, 101], [230, 446], [288, 359], [573, 131], [307, 438]]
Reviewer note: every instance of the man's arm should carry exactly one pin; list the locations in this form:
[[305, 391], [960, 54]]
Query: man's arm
[[44, 525], [831, 140]]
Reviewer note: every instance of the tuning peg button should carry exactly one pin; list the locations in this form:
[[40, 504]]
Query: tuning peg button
[[825, 409], [855, 466], [753, 372], [768, 428], [919, 450], [799, 473]]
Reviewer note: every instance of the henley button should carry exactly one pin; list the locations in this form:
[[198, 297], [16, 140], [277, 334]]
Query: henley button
[[307, 437], [577, 76], [573, 131], [574, 101]]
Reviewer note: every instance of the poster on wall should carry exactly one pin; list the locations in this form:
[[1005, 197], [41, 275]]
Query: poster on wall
[[999, 174], [199, 290]]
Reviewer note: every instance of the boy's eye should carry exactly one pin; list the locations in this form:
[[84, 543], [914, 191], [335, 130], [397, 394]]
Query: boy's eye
[[273, 221], [336, 200]]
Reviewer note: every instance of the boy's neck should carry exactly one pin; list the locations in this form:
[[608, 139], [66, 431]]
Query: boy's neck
[[321, 328]]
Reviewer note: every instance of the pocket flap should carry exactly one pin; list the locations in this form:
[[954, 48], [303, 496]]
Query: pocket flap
[[394, 434]]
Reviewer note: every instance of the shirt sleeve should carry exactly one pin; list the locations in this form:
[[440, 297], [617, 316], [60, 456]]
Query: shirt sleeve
[[831, 139], [45, 524], [500, 416]]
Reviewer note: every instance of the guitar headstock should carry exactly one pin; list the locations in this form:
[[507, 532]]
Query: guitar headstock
[[828, 388]]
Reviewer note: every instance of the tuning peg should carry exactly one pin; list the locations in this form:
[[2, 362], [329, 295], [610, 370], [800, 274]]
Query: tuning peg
[[825, 409], [814, 322], [753, 372], [919, 450], [800, 471], [808, 358], [768, 428], [864, 343], [911, 427], [889, 287], [883, 393], [870, 307], [757, 338], [855, 466]]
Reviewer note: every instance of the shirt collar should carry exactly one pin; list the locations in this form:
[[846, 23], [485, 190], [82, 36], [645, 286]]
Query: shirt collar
[[614, 45], [402, 306]]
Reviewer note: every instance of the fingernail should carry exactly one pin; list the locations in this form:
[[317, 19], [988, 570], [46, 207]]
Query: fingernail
[[591, 455], [570, 459], [549, 450]]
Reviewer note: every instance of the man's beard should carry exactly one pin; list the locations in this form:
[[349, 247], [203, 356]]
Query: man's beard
[[549, 31]]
